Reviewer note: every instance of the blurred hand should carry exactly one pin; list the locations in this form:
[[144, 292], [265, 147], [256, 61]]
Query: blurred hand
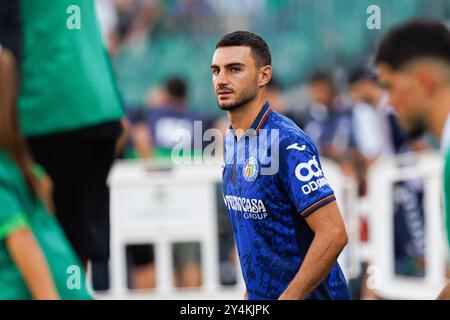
[[122, 140]]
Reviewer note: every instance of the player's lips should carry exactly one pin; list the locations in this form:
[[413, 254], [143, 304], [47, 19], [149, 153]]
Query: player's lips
[[223, 92]]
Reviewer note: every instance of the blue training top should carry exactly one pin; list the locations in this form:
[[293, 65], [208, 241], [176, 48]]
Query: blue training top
[[272, 180]]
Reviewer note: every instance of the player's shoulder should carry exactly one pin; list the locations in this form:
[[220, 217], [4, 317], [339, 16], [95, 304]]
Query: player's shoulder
[[289, 132]]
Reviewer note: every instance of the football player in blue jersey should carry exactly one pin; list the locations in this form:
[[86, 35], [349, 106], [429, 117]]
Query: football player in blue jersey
[[288, 228]]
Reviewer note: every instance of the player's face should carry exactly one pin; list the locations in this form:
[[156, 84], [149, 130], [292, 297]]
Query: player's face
[[235, 77], [405, 97]]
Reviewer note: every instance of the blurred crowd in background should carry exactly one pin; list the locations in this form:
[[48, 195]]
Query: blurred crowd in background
[[152, 40], [336, 99], [161, 52]]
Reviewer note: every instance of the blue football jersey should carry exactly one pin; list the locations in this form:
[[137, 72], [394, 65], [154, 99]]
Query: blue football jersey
[[272, 180]]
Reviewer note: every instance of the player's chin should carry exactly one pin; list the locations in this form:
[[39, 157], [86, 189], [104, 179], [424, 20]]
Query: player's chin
[[225, 104]]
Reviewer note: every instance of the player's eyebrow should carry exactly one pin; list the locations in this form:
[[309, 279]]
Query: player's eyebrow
[[229, 65]]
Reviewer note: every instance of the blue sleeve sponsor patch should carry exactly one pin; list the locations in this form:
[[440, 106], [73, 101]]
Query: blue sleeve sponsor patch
[[301, 174]]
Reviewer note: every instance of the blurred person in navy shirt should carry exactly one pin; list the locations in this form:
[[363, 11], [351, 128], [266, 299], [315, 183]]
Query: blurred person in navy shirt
[[379, 134], [168, 122]]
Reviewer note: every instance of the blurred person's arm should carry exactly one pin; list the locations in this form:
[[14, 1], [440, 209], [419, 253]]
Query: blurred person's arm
[[142, 140], [29, 259], [46, 188], [329, 240], [445, 293], [124, 136]]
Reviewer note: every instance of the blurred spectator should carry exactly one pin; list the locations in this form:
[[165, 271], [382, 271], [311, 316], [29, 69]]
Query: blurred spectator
[[191, 16], [159, 129], [232, 19], [35, 255], [154, 134], [368, 113], [72, 128], [127, 21], [374, 120], [328, 122], [380, 134]]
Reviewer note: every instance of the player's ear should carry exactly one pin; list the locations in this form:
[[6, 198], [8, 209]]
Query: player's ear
[[265, 74], [427, 81]]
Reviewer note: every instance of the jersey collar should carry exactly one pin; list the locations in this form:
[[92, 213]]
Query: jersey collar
[[260, 119]]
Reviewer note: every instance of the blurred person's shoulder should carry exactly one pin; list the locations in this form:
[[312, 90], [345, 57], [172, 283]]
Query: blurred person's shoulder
[[6, 162], [9, 172]]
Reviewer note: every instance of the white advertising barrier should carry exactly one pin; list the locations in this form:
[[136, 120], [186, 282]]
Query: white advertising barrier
[[384, 173], [151, 203]]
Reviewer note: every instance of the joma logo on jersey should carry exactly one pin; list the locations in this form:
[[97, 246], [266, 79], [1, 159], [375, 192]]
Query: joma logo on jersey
[[306, 171], [252, 208]]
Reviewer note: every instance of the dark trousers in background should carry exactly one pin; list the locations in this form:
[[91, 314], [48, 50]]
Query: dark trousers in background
[[78, 163]]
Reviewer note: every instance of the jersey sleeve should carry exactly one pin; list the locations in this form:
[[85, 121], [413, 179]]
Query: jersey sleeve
[[301, 175], [12, 216]]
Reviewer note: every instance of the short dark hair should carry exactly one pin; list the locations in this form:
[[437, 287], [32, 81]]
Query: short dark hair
[[419, 38], [176, 87], [360, 73], [320, 76], [260, 49]]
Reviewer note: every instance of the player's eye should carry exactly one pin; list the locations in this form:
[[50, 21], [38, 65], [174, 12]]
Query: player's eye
[[215, 71], [235, 69]]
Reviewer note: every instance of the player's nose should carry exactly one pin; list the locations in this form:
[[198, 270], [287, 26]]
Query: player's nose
[[221, 79]]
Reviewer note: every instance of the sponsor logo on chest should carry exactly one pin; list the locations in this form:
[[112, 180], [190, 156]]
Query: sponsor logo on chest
[[250, 207]]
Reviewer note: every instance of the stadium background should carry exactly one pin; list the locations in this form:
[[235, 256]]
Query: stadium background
[[152, 41], [171, 236], [303, 35]]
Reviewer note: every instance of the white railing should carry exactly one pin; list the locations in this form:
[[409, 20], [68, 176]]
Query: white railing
[[426, 167], [161, 205], [151, 203]]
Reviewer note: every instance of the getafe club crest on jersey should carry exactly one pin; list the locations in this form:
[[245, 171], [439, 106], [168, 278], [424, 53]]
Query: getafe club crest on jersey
[[250, 170]]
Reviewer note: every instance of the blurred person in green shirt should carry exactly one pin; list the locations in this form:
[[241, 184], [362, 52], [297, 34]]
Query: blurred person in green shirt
[[36, 259], [413, 62], [70, 112]]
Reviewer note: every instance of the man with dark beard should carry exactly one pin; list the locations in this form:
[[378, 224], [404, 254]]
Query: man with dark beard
[[287, 225], [413, 62]]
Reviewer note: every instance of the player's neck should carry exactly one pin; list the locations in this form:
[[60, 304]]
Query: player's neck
[[242, 118], [441, 109]]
